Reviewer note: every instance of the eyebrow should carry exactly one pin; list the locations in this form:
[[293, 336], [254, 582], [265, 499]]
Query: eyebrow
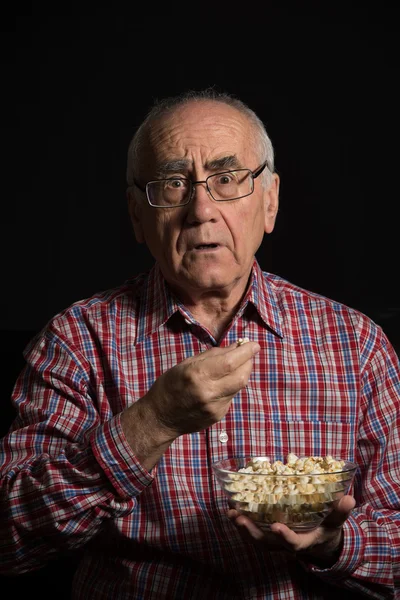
[[225, 162], [183, 164]]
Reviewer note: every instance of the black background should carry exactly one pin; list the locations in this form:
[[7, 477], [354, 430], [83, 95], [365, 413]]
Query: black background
[[77, 82], [77, 79]]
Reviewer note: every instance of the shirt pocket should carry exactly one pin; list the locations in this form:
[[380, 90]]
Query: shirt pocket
[[304, 438]]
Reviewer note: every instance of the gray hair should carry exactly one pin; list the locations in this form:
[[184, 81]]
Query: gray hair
[[168, 105]]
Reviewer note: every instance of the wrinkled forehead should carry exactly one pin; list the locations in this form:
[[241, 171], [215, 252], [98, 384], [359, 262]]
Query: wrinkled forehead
[[201, 131]]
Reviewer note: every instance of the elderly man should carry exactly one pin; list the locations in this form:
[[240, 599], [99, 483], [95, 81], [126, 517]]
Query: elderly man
[[129, 397]]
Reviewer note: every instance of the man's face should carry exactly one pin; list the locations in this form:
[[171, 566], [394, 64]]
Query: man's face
[[205, 246]]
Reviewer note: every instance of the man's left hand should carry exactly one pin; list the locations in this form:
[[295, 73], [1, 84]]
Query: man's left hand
[[321, 546]]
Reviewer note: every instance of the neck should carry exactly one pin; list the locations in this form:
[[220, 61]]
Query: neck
[[214, 309], [214, 315]]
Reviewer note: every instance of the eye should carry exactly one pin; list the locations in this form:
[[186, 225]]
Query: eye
[[175, 184], [225, 178]]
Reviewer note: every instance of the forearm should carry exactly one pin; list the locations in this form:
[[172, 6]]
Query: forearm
[[147, 438], [50, 503]]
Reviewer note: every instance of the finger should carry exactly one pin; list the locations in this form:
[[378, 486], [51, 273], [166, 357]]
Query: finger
[[227, 360], [248, 529], [254, 346], [340, 513], [250, 348], [293, 540]]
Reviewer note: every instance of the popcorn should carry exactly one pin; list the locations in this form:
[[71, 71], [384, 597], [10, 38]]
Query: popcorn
[[295, 491], [242, 341]]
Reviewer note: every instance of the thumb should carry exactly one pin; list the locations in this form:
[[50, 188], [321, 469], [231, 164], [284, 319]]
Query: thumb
[[340, 513]]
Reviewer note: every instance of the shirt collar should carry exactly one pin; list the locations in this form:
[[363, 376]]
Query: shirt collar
[[158, 305], [263, 296]]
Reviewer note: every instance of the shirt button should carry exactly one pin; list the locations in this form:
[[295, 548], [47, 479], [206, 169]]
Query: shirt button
[[223, 437]]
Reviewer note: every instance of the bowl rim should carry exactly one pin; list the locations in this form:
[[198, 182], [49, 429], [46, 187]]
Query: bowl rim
[[349, 467]]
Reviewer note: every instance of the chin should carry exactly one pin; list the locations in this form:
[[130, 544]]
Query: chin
[[206, 275], [211, 279]]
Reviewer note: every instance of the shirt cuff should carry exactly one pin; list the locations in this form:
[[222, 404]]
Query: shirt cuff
[[117, 460], [351, 556]]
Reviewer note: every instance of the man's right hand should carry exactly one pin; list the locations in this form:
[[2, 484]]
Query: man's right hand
[[197, 392], [189, 397]]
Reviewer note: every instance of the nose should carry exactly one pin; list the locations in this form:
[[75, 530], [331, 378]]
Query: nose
[[201, 207]]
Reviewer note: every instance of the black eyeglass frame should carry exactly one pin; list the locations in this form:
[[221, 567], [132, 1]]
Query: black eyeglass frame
[[254, 174]]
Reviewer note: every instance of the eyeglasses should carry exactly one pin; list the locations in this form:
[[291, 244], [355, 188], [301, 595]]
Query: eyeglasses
[[222, 187]]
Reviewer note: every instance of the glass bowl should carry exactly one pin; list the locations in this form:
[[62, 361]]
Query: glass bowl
[[300, 501]]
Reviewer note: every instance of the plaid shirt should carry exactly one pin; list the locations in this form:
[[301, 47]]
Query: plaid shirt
[[326, 381]]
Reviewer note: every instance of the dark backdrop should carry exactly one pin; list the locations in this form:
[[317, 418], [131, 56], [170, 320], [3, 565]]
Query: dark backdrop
[[77, 80], [76, 84]]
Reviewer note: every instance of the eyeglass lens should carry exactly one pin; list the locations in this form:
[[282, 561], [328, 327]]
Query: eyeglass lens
[[222, 186]]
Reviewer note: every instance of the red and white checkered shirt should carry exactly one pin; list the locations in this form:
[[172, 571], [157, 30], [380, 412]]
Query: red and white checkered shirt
[[326, 381]]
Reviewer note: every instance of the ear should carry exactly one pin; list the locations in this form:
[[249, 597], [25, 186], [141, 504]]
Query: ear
[[135, 212], [271, 203]]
